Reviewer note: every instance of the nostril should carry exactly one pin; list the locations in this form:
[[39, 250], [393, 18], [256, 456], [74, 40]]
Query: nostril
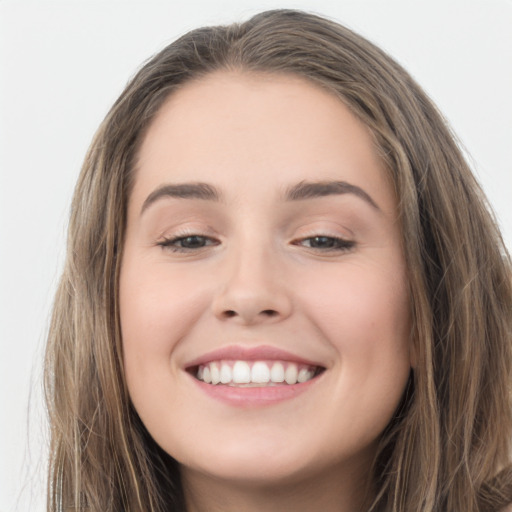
[[270, 313]]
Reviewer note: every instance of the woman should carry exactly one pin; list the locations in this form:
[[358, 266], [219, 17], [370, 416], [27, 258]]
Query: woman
[[283, 291]]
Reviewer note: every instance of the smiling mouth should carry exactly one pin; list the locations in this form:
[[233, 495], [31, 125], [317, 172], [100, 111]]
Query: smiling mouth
[[265, 373]]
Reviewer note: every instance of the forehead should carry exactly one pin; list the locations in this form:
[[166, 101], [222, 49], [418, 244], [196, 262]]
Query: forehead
[[267, 130]]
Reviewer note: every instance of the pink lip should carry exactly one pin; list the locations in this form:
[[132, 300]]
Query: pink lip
[[254, 397], [259, 353]]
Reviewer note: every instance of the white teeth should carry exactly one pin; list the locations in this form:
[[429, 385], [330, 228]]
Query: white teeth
[[277, 373], [215, 373], [290, 375], [304, 375], [241, 373], [258, 373], [225, 374]]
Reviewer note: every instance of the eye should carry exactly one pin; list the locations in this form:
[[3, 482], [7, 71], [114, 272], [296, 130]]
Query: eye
[[325, 243], [187, 243]]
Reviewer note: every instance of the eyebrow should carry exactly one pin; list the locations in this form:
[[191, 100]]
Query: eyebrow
[[310, 190], [202, 191], [299, 192]]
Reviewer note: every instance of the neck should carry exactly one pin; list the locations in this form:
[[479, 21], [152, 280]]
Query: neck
[[329, 492]]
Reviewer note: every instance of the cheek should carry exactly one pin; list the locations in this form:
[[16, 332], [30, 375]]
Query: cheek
[[360, 304], [155, 301], [157, 309], [364, 314], [365, 317]]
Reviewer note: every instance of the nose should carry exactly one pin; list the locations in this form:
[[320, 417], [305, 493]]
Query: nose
[[252, 290]]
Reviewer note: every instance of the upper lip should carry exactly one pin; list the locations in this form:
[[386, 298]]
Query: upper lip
[[258, 353]]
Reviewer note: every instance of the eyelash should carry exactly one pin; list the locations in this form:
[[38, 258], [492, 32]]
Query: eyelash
[[172, 243], [334, 244]]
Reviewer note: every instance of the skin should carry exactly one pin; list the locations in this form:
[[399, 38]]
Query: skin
[[260, 278]]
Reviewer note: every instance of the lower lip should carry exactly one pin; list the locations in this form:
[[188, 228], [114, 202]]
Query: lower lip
[[254, 396]]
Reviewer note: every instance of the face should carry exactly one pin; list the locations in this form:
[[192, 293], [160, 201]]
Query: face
[[263, 292]]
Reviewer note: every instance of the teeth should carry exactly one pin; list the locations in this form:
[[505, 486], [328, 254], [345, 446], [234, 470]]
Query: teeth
[[241, 373], [277, 373], [225, 374], [254, 373], [260, 373], [304, 375], [291, 373], [215, 373]]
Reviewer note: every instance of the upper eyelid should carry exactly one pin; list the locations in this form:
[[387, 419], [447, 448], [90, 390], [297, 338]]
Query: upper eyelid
[[310, 229], [176, 232], [340, 232], [208, 234], [178, 237]]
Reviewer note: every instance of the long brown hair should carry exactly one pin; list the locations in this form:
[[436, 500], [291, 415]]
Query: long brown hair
[[448, 447]]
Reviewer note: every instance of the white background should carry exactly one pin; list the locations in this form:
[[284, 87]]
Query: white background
[[62, 64]]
